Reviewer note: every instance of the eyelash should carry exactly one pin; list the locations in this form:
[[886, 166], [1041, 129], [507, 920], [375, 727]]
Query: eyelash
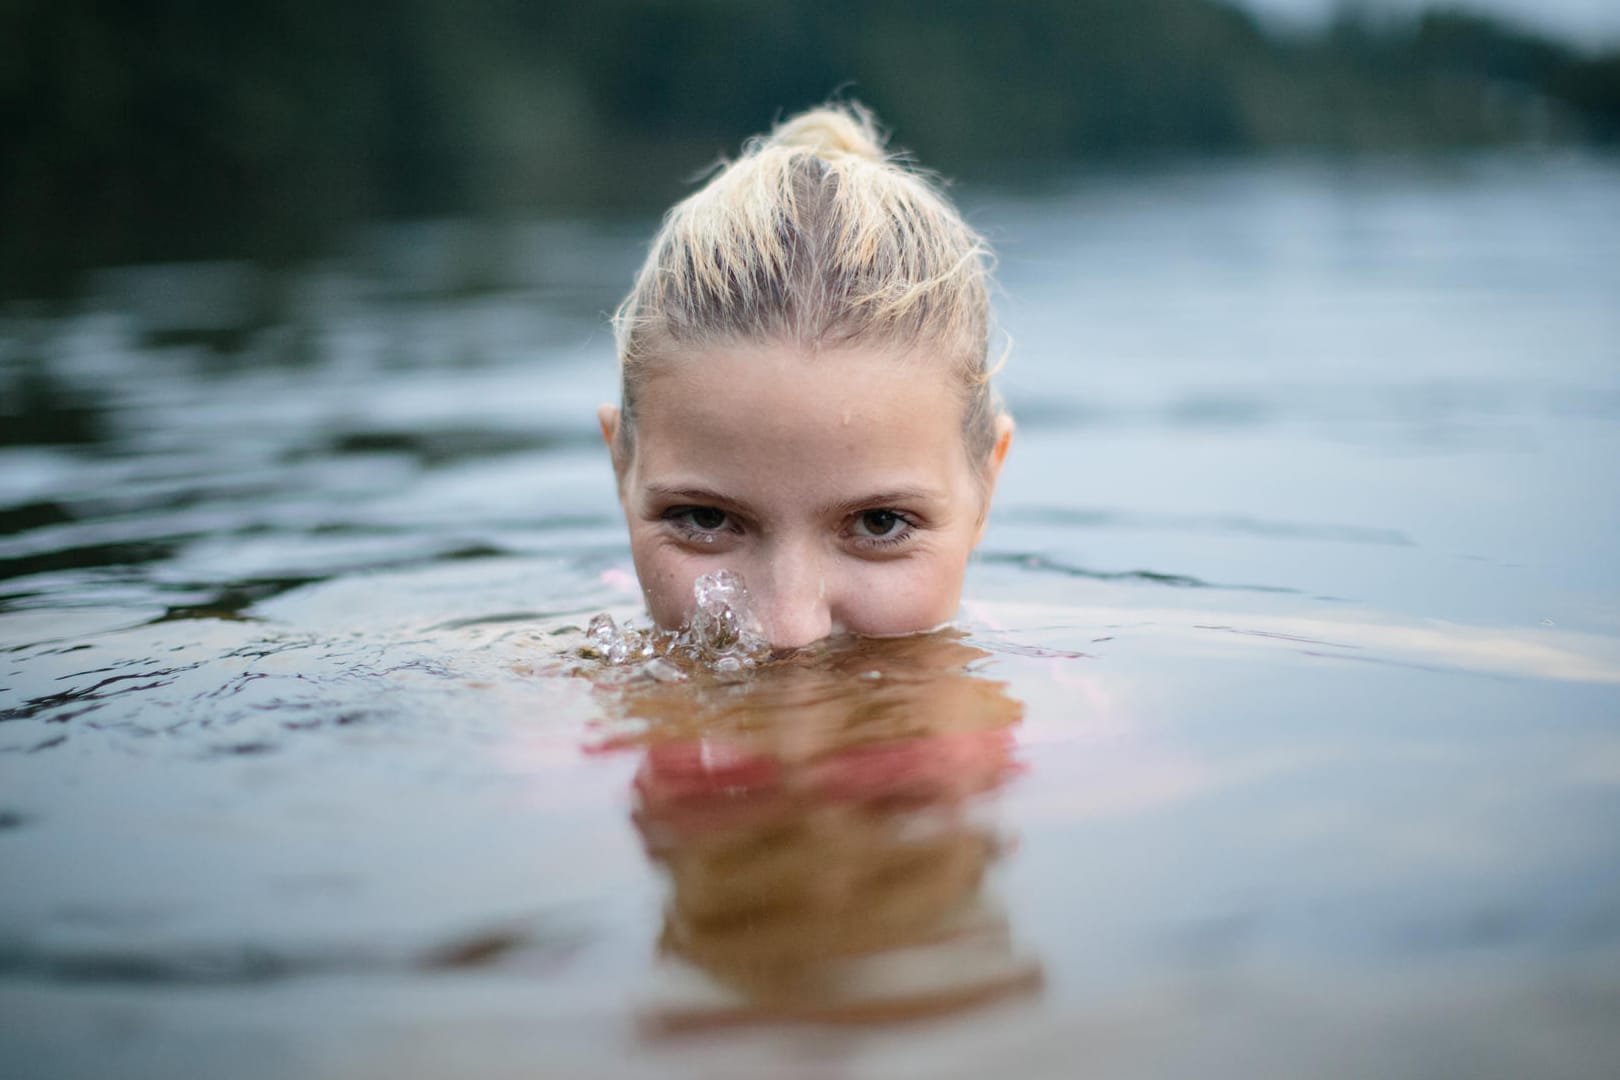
[[679, 518], [906, 531]]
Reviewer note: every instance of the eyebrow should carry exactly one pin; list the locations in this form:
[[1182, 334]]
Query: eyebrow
[[880, 499], [691, 495], [705, 496]]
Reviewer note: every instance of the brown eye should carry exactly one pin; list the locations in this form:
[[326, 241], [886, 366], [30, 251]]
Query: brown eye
[[878, 523]]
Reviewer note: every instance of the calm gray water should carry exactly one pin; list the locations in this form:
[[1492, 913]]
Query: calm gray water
[[1300, 608]]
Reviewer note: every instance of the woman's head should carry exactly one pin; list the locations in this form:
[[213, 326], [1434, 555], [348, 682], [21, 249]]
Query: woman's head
[[805, 389]]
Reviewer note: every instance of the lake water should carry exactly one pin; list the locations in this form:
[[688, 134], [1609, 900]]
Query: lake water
[[1280, 735]]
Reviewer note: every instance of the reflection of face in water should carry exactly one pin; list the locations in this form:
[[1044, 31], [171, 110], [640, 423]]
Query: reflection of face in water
[[817, 827]]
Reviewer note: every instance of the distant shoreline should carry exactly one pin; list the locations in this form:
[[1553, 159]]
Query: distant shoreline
[[188, 131]]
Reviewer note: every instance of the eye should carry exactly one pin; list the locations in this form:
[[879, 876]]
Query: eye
[[702, 524], [877, 524], [703, 518], [882, 528]]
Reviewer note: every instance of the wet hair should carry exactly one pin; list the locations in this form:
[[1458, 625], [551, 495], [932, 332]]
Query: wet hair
[[816, 237]]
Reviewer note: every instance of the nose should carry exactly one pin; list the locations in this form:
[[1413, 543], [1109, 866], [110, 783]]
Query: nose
[[794, 609]]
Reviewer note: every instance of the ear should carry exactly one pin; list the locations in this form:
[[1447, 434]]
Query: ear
[[998, 453], [992, 468], [608, 419]]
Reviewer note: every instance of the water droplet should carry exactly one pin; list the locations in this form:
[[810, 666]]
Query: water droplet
[[661, 670]]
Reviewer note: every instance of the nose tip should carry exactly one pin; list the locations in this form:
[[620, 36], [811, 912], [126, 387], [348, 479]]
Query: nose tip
[[795, 612], [793, 625]]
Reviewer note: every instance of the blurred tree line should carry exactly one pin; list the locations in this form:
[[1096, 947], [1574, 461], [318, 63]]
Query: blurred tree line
[[141, 129]]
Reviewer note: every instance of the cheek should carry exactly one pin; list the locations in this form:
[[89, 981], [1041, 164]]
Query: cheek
[[901, 597], [666, 574]]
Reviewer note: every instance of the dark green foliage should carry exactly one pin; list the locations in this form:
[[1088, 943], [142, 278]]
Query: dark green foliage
[[1592, 87], [180, 128]]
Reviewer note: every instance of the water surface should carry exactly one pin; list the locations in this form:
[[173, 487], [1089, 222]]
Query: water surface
[[1281, 734]]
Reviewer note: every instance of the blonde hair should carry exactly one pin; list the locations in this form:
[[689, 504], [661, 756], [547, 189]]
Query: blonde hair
[[819, 238]]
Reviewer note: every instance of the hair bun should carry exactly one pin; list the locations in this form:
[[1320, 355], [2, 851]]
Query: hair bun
[[845, 128]]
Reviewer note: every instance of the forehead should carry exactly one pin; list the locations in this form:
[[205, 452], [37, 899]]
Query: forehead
[[801, 418]]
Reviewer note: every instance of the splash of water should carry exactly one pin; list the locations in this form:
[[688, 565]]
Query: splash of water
[[723, 620], [723, 636]]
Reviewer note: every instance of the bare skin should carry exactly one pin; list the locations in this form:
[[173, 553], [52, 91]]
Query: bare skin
[[836, 483]]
